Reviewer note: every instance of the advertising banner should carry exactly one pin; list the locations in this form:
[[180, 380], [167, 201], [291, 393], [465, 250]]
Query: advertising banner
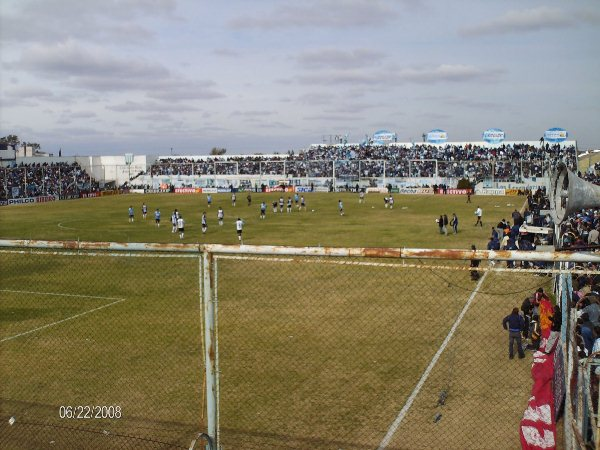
[[490, 191], [419, 191], [437, 136], [303, 189], [493, 135], [187, 190], [556, 135], [116, 192], [45, 198], [380, 190], [224, 190], [21, 201], [209, 190], [321, 189], [456, 192], [383, 137], [89, 194], [512, 191], [155, 191]]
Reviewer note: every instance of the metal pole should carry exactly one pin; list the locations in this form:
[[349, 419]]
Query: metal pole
[[210, 346]]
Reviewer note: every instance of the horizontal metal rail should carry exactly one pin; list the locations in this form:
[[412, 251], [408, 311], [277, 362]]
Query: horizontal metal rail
[[376, 252]]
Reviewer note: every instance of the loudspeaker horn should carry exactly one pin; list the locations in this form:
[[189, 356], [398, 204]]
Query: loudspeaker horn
[[569, 193]]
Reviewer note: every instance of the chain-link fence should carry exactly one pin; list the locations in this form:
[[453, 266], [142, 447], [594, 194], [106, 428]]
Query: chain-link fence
[[100, 350], [107, 349]]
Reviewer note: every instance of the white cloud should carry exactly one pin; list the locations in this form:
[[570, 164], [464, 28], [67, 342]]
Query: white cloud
[[322, 13], [455, 73], [524, 21], [340, 59], [96, 69]]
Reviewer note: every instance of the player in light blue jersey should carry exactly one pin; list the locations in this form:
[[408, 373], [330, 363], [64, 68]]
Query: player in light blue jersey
[[157, 217]]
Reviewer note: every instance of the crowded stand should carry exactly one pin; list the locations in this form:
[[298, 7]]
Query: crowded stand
[[37, 179], [508, 162]]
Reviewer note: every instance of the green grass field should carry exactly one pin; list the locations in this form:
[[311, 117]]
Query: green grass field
[[410, 224], [312, 353]]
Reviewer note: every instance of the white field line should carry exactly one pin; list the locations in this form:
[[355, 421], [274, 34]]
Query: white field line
[[402, 414], [60, 321], [61, 295]]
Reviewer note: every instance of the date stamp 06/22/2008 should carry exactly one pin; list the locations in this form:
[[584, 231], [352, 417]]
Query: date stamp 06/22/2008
[[83, 412]]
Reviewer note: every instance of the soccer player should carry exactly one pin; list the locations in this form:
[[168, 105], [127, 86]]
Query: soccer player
[[341, 207], [296, 198], [220, 215], [263, 210], [144, 211], [391, 202], [157, 217], [385, 201], [209, 200], [275, 206], [130, 214], [174, 221], [204, 223], [289, 204], [180, 226], [233, 198], [249, 198], [281, 204], [239, 225], [479, 213], [302, 203], [361, 196]]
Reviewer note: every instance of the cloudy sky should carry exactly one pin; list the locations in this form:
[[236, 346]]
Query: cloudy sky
[[145, 76]]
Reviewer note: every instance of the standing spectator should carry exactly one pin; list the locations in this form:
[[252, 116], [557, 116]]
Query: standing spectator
[[130, 214], [474, 265], [594, 236], [514, 324], [479, 213], [454, 223]]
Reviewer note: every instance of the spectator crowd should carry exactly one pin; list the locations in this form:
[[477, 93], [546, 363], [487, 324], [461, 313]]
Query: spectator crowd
[[510, 162], [35, 179]]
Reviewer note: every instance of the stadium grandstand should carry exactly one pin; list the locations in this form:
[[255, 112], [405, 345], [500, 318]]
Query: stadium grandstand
[[332, 167]]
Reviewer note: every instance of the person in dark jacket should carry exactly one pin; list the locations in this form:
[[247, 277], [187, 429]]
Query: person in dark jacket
[[514, 323]]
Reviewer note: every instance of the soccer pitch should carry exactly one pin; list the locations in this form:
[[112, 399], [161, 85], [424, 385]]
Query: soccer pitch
[[312, 353]]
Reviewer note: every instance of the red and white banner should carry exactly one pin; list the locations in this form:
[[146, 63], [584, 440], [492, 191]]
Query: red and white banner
[[45, 198], [538, 426]]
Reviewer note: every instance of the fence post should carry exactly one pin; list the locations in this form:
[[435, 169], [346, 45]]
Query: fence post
[[210, 347]]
